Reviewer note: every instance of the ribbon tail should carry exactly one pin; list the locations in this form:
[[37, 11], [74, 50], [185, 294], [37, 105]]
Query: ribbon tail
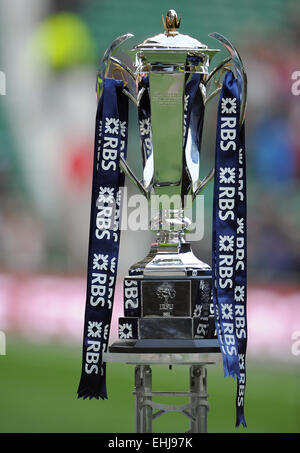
[[233, 367], [240, 418], [92, 388]]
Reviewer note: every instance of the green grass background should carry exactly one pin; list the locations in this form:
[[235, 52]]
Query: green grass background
[[38, 386]]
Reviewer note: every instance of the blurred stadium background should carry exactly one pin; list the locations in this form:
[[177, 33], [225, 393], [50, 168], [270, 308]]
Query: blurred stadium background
[[49, 53]]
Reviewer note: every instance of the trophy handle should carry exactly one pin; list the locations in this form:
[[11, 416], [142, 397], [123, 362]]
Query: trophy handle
[[240, 74], [104, 66], [202, 184], [222, 65], [238, 69], [124, 69], [128, 171], [121, 67]]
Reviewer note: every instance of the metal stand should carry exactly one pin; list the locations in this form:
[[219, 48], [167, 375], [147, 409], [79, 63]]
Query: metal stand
[[146, 410], [196, 410]]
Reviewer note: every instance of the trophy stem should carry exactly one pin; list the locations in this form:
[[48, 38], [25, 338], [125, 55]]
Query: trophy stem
[[171, 254], [170, 226], [170, 238]]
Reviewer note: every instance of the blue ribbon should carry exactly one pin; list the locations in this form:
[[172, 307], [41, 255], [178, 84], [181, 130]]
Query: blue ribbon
[[229, 239], [144, 115], [110, 144], [193, 113]]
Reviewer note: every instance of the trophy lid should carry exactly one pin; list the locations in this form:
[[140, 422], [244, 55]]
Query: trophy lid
[[171, 39]]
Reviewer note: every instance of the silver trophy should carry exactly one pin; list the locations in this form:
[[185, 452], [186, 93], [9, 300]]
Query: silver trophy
[[168, 295]]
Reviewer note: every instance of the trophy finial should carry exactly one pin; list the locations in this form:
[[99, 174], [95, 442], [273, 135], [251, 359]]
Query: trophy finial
[[171, 22]]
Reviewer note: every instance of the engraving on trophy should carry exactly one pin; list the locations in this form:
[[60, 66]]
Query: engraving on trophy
[[166, 292], [167, 98], [166, 298]]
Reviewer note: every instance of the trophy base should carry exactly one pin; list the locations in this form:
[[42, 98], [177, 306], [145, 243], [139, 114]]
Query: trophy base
[[165, 346], [171, 307], [170, 260]]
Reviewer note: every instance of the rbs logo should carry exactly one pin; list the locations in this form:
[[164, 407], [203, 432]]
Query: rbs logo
[[2, 84]]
